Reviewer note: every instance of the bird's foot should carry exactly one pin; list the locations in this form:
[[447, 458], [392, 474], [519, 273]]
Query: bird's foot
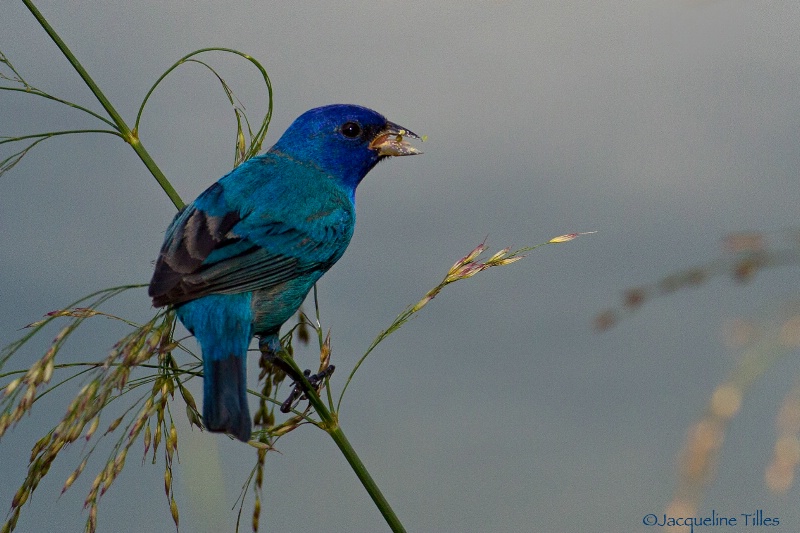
[[298, 393]]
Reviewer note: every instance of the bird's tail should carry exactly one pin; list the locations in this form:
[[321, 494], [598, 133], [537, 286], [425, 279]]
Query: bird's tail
[[225, 396], [221, 324]]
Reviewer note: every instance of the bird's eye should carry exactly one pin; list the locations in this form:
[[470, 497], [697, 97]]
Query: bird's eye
[[351, 130]]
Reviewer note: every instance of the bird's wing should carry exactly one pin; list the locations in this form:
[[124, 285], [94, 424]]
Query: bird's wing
[[233, 252]]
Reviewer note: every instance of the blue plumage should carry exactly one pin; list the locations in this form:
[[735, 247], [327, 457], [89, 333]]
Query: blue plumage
[[239, 260]]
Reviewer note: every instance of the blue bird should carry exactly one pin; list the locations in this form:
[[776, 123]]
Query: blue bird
[[239, 260]]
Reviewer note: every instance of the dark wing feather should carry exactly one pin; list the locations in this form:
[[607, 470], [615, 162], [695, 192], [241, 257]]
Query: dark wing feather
[[204, 254]]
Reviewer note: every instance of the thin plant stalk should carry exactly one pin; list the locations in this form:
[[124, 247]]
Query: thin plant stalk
[[330, 424], [125, 132], [243, 152]]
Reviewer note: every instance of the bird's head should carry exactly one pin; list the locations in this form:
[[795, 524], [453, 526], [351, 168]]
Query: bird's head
[[345, 141]]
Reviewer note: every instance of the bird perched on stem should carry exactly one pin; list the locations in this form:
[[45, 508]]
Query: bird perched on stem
[[239, 260]]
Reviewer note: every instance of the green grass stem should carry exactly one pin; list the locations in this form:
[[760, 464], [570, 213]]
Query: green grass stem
[[123, 128]]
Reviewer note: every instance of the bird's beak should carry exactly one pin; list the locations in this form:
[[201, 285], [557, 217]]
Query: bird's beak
[[391, 142]]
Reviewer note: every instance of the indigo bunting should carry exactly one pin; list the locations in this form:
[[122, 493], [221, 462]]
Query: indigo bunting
[[240, 259]]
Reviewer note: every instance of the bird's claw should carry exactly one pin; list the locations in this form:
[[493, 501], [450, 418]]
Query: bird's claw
[[298, 393]]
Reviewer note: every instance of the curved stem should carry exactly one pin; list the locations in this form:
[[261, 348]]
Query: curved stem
[[36, 92], [330, 423], [43, 136], [258, 137], [124, 130]]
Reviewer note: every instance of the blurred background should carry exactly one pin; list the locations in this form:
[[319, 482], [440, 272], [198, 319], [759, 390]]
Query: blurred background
[[662, 125]]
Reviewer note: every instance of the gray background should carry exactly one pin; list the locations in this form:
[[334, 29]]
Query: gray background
[[661, 125]]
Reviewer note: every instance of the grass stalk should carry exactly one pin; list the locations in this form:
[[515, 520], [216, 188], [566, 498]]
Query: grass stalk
[[330, 423], [126, 133]]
